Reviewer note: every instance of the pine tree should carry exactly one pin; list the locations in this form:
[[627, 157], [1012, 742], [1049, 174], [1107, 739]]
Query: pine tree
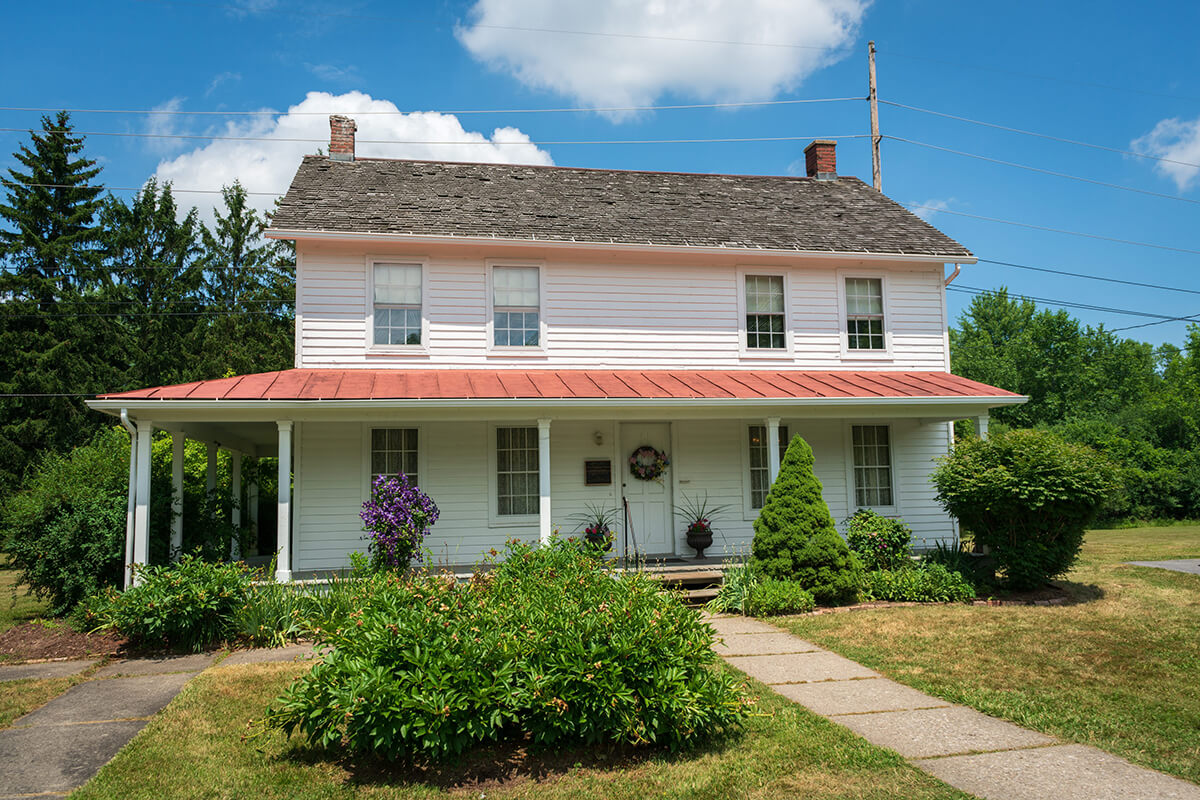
[[249, 288], [152, 254], [53, 347], [792, 514]]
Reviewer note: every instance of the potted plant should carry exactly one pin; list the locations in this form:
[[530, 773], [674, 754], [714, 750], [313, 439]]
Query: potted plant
[[698, 515], [597, 525]]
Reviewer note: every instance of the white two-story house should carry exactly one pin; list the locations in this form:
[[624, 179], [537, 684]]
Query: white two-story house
[[507, 336]]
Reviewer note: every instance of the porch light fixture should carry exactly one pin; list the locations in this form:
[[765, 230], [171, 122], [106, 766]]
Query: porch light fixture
[[598, 438]]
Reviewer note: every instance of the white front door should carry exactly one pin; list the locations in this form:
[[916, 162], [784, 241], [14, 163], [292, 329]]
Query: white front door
[[650, 515]]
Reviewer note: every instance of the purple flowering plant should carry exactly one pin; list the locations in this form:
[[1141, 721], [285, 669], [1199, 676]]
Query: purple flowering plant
[[397, 519]]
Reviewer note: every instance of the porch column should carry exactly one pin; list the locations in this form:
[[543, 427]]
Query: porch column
[[772, 449], [177, 444], [131, 499], [211, 473], [141, 509], [252, 501], [981, 426], [283, 567], [235, 491], [544, 523]]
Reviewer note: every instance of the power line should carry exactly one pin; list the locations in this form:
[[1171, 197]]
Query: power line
[[1191, 318], [148, 314], [1055, 230], [1089, 277], [289, 139], [975, 290], [1043, 171], [1055, 78], [457, 112], [1041, 135]]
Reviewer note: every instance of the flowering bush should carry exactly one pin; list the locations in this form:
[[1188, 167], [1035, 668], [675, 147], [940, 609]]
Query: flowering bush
[[397, 518], [879, 542], [550, 646]]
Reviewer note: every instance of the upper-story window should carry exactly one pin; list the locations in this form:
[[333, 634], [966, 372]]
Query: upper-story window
[[516, 307], [397, 300], [864, 314], [764, 312]]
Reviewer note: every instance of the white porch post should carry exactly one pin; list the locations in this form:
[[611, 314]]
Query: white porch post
[[177, 444], [235, 490], [131, 500], [772, 449], [981, 426], [544, 525], [211, 473], [141, 510], [252, 499], [283, 567]]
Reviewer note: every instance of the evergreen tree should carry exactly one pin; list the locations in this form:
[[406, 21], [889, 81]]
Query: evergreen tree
[[248, 288], [54, 344], [152, 255], [793, 512]]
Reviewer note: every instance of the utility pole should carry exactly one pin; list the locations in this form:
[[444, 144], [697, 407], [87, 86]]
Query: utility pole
[[873, 96]]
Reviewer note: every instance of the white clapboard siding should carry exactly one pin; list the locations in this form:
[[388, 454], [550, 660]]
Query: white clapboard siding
[[709, 457], [614, 315]]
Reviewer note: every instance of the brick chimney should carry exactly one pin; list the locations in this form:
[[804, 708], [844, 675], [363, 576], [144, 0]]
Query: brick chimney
[[820, 159], [341, 138]]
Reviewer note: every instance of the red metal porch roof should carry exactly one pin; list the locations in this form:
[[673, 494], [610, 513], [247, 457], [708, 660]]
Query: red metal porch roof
[[567, 384]]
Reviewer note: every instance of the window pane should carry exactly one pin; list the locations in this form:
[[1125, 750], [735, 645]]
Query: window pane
[[515, 287], [398, 284], [394, 452], [872, 465], [516, 471]]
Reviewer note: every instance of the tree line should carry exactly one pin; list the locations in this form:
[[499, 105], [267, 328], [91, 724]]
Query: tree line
[[102, 294], [1138, 403]]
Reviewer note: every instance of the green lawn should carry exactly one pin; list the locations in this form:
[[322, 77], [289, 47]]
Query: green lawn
[[195, 749], [15, 605], [1119, 669]]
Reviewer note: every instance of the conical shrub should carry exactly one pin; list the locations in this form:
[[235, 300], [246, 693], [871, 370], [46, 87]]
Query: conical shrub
[[794, 535]]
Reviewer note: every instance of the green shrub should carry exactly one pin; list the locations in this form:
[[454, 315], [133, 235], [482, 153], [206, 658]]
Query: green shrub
[[879, 542], [65, 528], [737, 589], [928, 583], [792, 514], [1029, 496], [549, 645], [826, 567], [772, 597], [188, 605]]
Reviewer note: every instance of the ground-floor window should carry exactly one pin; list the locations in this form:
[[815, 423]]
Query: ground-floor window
[[872, 466], [760, 470], [394, 452], [517, 471]]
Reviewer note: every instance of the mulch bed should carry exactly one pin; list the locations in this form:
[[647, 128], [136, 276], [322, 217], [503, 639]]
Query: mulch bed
[[32, 641], [1049, 595]]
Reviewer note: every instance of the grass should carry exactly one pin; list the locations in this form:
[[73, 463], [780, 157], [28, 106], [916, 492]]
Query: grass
[[15, 605], [1119, 668], [195, 749], [18, 698]]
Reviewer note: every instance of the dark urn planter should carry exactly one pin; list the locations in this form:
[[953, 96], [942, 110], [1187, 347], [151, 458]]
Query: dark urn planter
[[602, 540], [699, 538]]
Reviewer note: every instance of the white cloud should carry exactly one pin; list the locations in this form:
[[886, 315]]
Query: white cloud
[[1178, 140], [224, 77], [620, 71], [268, 166], [930, 208], [162, 126], [331, 73]]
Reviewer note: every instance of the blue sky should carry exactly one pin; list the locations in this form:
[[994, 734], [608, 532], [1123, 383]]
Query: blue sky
[[1100, 72]]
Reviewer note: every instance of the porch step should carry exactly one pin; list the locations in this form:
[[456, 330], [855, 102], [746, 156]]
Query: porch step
[[693, 579], [695, 598]]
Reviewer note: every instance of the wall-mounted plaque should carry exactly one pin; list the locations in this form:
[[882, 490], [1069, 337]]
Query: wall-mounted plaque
[[597, 473]]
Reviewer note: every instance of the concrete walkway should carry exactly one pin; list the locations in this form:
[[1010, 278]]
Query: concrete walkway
[[1188, 565], [60, 746], [971, 751]]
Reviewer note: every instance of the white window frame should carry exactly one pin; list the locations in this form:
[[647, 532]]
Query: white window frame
[[422, 448], [886, 354], [495, 518], [894, 456], [762, 353], [421, 349], [749, 512], [516, 350]]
